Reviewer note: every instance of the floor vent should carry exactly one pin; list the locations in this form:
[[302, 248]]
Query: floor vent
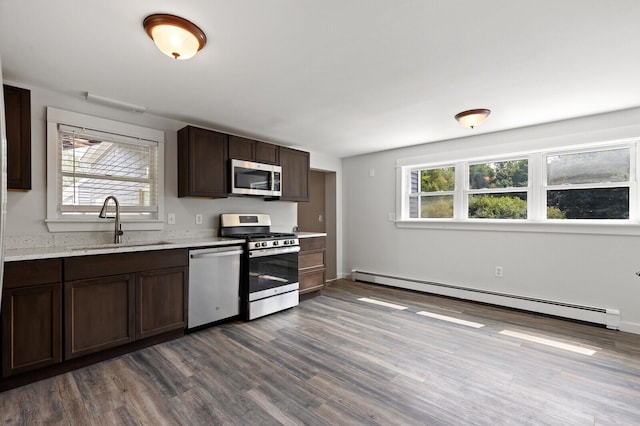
[[608, 317]]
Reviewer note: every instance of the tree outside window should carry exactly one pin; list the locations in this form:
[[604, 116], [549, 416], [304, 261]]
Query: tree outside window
[[431, 194], [495, 190]]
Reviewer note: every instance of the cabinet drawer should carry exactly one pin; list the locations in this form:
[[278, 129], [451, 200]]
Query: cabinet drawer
[[311, 259], [103, 265], [311, 281], [314, 243], [32, 272]]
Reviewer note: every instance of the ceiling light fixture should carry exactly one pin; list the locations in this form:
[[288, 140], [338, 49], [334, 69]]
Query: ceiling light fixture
[[175, 37], [473, 117]]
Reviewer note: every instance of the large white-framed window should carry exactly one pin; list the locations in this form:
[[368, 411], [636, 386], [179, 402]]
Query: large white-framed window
[[577, 186], [90, 158]]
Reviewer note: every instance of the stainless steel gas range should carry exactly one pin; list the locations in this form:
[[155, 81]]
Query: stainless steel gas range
[[269, 267]]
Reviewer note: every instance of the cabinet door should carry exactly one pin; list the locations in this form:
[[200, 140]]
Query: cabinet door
[[266, 153], [295, 174], [242, 148], [202, 163], [18, 126], [250, 150], [161, 301], [99, 314], [31, 328]]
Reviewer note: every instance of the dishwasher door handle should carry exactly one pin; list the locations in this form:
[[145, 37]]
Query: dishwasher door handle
[[216, 254]]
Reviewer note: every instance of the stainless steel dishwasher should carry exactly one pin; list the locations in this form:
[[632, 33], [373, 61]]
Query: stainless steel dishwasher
[[214, 284]]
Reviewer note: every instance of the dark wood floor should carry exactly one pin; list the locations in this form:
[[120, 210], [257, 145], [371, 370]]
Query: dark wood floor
[[340, 361]]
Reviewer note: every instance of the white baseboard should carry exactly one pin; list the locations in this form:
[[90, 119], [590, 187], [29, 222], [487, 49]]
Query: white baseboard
[[610, 317]]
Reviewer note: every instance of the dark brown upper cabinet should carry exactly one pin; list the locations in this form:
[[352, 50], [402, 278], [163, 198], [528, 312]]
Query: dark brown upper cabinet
[[202, 163], [295, 174], [250, 150], [17, 104]]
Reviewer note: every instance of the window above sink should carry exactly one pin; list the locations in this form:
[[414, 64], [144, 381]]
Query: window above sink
[[89, 158]]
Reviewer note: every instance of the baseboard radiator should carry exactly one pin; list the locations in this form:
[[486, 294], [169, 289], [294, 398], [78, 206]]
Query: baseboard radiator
[[605, 316]]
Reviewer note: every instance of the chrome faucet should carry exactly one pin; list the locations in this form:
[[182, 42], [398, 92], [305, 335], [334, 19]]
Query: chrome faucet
[[117, 236]]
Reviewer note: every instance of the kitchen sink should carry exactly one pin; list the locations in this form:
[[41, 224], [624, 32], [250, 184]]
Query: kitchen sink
[[120, 245]]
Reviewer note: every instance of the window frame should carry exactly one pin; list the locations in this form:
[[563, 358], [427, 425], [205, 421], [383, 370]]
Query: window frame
[[631, 183], [58, 221], [537, 212], [468, 191], [420, 193]]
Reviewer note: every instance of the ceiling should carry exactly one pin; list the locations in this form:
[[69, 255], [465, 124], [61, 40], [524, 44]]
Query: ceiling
[[342, 77]]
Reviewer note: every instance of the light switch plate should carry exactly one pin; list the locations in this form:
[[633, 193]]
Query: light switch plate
[[171, 218], [198, 219]]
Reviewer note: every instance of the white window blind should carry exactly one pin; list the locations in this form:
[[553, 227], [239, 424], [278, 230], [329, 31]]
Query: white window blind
[[94, 164]]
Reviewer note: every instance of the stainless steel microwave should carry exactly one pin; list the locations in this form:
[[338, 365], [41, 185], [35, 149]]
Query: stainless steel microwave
[[249, 178]]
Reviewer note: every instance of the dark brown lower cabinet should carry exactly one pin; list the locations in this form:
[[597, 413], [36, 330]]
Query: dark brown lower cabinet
[[148, 296], [311, 264], [161, 301], [99, 314], [113, 303], [31, 328]]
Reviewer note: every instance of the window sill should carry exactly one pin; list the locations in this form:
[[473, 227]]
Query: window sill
[[592, 227], [102, 225]]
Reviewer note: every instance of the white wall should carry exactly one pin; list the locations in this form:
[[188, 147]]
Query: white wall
[[586, 269], [27, 210]]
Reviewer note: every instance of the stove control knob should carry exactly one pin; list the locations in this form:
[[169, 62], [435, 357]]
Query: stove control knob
[[286, 242], [264, 244], [275, 243]]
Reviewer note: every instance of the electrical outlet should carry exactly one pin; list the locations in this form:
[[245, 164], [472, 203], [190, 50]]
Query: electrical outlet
[[198, 219], [171, 218], [499, 272]]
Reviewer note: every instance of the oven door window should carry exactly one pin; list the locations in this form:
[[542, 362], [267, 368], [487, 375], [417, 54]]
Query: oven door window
[[272, 271], [252, 179]]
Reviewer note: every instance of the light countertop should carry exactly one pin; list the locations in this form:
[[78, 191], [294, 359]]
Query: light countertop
[[14, 255], [310, 234]]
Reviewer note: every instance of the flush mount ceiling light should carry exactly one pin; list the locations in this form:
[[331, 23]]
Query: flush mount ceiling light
[[473, 117], [175, 37]]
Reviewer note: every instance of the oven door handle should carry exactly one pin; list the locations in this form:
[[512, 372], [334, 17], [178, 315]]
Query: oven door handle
[[273, 251]]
